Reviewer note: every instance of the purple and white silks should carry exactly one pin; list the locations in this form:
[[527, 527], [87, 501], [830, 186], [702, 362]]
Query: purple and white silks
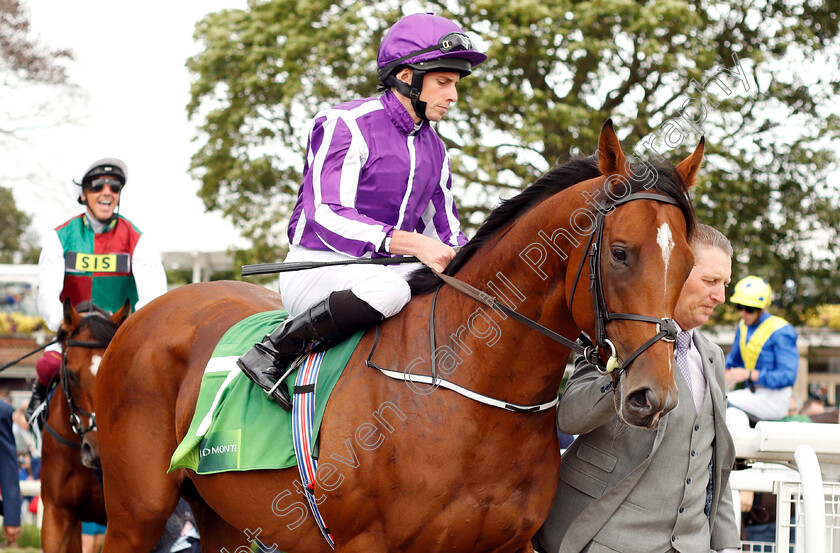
[[369, 171]]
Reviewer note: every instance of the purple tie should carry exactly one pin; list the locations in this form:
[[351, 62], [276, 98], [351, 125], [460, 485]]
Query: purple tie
[[683, 343]]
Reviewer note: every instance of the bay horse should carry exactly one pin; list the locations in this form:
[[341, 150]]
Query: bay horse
[[70, 489], [410, 467]]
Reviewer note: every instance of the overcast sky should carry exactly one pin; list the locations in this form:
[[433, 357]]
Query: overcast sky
[[130, 64]]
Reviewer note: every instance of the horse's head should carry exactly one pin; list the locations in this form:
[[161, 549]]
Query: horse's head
[[84, 334], [638, 258]]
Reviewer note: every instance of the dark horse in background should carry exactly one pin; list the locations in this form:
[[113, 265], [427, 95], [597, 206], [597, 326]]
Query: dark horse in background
[[70, 488], [433, 471]]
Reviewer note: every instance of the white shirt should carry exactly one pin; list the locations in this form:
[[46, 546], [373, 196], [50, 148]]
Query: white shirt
[[697, 373], [146, 266]]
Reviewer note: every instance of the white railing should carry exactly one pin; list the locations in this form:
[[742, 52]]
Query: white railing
[[800, 464]]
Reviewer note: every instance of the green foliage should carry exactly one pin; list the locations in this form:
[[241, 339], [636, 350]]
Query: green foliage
[[753, 76], [16, 240]]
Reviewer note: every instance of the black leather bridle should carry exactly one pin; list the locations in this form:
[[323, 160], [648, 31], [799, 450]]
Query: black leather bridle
[[666, 328], [75, 410]]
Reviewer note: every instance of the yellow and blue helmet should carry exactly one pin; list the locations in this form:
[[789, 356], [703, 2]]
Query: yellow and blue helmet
[[752, 291]]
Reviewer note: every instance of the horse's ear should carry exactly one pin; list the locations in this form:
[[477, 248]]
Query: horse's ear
[[71, 316], [120, 316], [72, 319], [611, 159], [688, 168]]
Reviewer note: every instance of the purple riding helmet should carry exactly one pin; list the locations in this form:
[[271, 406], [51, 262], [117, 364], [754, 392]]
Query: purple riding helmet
[[424, 42]]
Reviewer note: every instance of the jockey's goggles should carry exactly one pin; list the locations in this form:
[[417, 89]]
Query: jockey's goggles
[[453, 42], [745, 308], [96, 185]]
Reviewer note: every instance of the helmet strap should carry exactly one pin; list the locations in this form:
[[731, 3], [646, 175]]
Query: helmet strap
[[417, 84], [412, 91]]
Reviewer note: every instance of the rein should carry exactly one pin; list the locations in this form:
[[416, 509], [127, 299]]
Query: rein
[[666, 328], [443, 383], [33, 352]]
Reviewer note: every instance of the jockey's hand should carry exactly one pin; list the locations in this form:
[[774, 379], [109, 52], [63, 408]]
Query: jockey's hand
[[429, 251], [735, 375]]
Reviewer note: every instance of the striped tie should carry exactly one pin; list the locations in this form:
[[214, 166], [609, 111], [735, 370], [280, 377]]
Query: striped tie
[[683, 343]]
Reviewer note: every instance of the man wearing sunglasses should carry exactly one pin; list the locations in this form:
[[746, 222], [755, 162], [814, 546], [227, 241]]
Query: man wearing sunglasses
[[99, 256], [376, 183], [764, 357]]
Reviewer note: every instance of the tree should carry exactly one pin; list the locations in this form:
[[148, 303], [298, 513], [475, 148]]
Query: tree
[[21, 54], [30, 74], [17, 243], [742, 73]]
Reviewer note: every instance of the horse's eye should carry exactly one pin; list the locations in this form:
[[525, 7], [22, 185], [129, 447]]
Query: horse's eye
[[619, 255]]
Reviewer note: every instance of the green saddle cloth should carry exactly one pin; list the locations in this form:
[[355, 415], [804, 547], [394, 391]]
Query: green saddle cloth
[[235, 425]]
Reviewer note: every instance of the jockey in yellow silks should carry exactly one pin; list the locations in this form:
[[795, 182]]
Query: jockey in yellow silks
[[764, 351]]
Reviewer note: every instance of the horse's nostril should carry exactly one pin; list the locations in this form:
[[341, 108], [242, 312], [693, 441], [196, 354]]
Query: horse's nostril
[[90, 456], [643, 402]]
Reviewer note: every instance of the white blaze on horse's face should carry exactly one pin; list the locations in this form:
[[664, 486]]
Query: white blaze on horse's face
[[94, 364], [666, 242]]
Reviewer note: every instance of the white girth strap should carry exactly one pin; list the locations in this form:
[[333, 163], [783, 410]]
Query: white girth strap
[[421, 379]]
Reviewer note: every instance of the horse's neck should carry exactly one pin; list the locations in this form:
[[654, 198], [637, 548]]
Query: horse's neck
[[523, 267]]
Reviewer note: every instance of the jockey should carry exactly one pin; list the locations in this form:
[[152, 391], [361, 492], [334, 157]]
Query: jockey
[[764, 355], [376, 183], [99, 256]]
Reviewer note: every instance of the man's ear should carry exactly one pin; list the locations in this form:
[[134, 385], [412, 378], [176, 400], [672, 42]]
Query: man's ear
[[405, 74]]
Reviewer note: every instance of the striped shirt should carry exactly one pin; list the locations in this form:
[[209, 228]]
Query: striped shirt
[[369, 170]]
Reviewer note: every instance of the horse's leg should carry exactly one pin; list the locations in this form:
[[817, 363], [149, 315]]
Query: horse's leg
[[215, 532], [61, 531], [137, 509]]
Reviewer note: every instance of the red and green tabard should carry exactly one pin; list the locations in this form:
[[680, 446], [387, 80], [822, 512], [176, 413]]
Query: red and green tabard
[[97, 267]]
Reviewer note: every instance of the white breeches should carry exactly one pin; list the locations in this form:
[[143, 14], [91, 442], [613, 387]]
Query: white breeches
[[765, 403], [383, 287]]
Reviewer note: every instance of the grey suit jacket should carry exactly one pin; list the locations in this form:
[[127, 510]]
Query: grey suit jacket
[[580, 512]]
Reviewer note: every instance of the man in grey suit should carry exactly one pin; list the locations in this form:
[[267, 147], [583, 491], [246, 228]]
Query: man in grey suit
[[635, 490]]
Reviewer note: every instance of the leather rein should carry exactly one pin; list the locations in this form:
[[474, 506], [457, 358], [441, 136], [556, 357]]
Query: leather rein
[[666, 328]]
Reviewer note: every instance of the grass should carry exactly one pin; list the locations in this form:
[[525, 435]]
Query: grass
[[29, 542]]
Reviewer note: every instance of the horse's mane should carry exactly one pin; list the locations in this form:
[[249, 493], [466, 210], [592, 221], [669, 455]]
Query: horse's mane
[[97, 319], [557, 179]]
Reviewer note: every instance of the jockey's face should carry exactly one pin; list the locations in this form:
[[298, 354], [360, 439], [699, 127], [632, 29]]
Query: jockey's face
[[102, 203], [439, 92]]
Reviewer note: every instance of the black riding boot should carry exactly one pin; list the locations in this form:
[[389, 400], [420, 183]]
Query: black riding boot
[[39, 394], [315, 330]]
